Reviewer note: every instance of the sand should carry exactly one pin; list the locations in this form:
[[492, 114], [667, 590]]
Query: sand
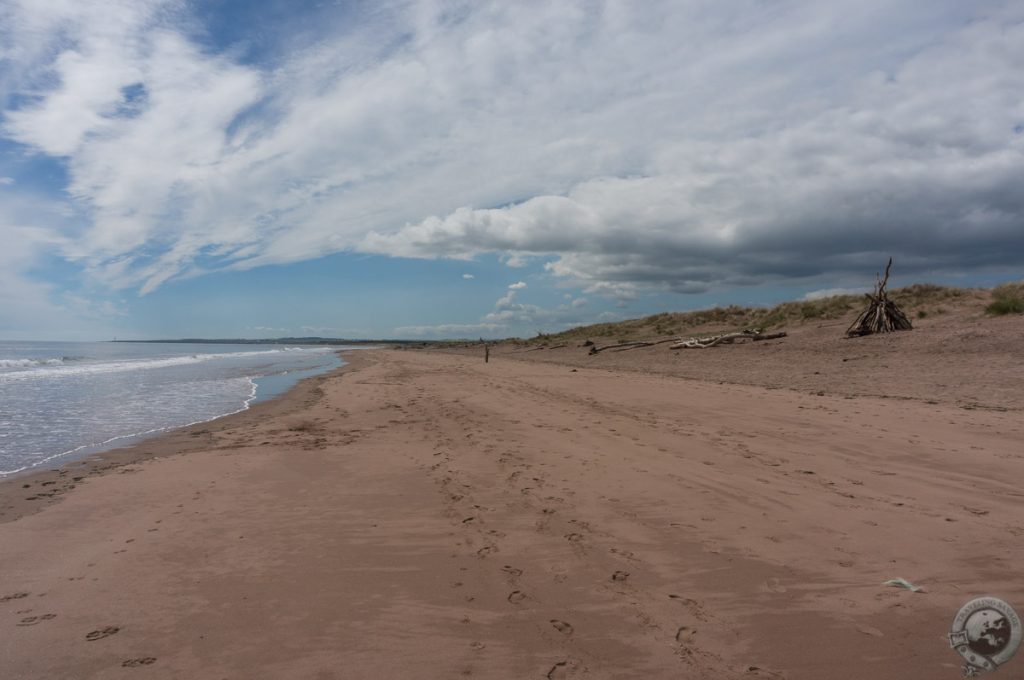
[[426, 515]]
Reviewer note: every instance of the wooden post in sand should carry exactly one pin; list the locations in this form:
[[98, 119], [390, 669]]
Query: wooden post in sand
[[487, 353]]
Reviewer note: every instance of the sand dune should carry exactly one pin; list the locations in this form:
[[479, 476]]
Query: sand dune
[[427, 515]]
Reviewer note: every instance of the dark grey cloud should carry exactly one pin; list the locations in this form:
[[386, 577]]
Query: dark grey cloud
[[680, 146], [920, 160]]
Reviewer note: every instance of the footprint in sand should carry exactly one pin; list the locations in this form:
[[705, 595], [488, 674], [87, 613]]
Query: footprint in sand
[[620, 575], [561, 669], [774, 586], [574, 537], [695, 608], [562, 626], [15, 596], [513, 572], [486, 550], [135, 663], [685, 633], [516, 596], [101, 633], [33, 620]]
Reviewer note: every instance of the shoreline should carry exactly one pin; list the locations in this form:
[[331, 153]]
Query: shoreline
[[29, 491], [427, 515]]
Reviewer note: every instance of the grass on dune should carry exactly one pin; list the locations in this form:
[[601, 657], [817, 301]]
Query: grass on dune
[[1007, 299], [921, 300]]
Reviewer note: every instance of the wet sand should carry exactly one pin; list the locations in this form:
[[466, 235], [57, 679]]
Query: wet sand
[[427, 515]]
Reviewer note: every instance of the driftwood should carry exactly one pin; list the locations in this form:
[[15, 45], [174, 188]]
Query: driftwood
[[644, 343], [594, 349], [882, 315], [626, 346], [537, 349], [726, 339]]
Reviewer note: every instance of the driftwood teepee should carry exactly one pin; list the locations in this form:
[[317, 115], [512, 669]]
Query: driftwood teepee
[[882, 315]]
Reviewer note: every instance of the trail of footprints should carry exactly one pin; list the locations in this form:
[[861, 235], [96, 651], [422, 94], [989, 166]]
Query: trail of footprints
[[91, 636], [523, 491], [456, 493], [33, 620], [101, 633]]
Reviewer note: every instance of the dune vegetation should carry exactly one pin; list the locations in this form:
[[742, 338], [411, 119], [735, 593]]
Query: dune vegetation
[[919, 301]]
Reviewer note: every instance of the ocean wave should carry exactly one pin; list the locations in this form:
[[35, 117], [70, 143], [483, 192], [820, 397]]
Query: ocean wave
[[247, 401], [28, 363], [58, 367], [46, 361]]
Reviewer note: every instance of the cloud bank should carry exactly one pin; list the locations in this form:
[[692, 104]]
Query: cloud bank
[[510, 313], [630, 146]]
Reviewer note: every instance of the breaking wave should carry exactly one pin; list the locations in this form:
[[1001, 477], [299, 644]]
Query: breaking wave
[[76, 366]]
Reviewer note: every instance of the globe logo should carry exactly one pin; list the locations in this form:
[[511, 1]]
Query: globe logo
[[986, 632]]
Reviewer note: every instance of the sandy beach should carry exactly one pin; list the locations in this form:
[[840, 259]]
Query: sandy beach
[[423, 514]]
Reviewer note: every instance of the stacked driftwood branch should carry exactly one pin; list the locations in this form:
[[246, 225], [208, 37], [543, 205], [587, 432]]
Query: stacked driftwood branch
[[755, 335], [882, 315], [623, 346], [726, 339]]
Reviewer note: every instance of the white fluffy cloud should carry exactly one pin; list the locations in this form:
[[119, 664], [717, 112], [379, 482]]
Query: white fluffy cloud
[[509, 317], [661, 144]]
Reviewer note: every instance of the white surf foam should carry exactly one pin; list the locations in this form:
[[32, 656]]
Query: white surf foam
[[56, 368], [108, 443]]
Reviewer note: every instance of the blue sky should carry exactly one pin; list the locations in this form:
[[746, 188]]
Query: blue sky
[[464, 169]]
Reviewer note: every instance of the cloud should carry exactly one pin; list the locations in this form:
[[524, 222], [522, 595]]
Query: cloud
[[656, 145], [83, 306], [468, 277], [23, 300], [30, 306], [449, 330], [338, 332], [831, 292], [511, 316], [5, 181]]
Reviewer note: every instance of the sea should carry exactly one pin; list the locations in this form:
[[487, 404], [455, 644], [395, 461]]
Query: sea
[[65, 400]]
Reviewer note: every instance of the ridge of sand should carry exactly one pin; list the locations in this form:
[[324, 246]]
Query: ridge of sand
[[432, 516]]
